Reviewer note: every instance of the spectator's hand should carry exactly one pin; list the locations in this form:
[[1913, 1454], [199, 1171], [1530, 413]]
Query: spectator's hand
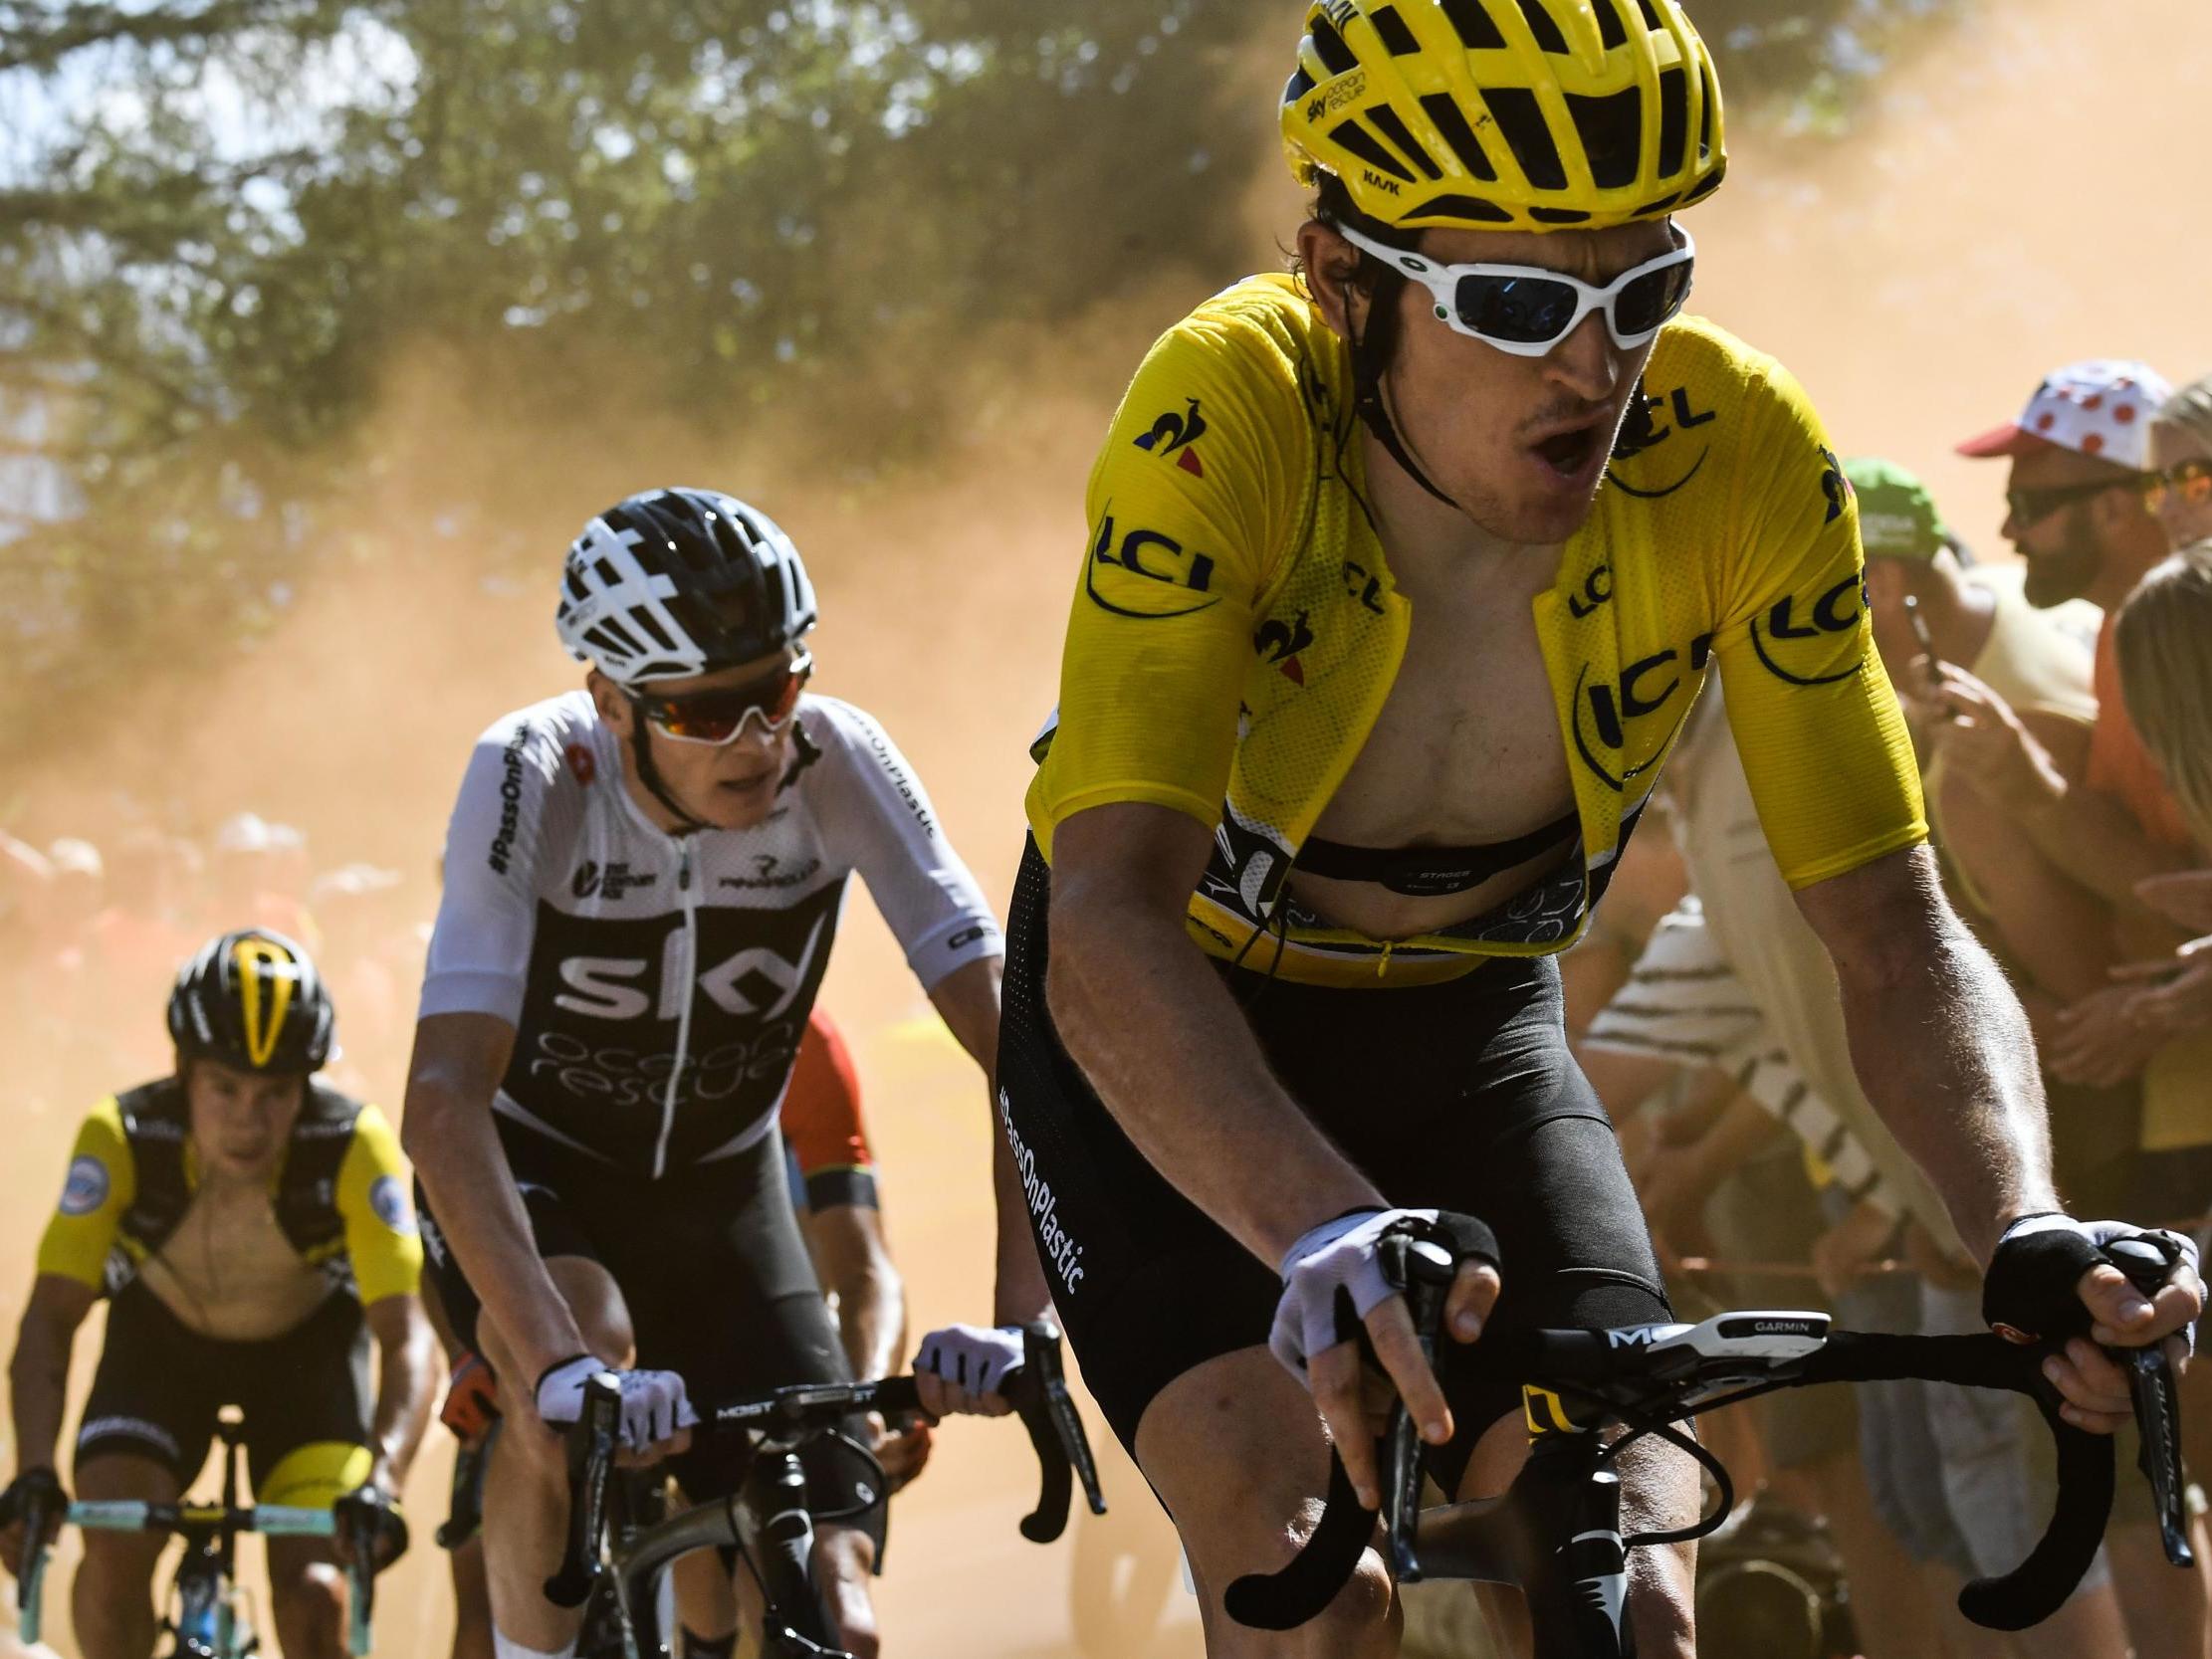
[[1984, 741], [1674, 1190], [2100, 1044], [2183, 898], [2171, 996], [1849, 1245]]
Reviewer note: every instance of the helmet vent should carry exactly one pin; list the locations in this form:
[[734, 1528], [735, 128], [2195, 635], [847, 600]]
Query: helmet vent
[[606, 573], [1611, 32], [1612, 130], [1478, 31], [1384, 120], [1444, 109], [1300, 84], [1462, 207], [1650, 16], [1673, 119], [1706, 119], [1336, 56], [1544, 27], [1394, 32], [1352, 136], [1521, 120]]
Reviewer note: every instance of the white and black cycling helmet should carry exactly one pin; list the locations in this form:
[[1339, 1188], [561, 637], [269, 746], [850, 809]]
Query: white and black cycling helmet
[[672, 583], [252, 999]]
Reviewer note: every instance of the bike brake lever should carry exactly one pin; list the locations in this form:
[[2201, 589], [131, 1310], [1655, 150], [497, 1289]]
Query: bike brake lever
[[591, 1447], [1425, 1272], [2151, 1385], [1040, 1397]]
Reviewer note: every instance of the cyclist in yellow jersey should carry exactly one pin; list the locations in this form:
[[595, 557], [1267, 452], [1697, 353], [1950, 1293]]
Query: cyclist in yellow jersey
[[1403, 575], [251, 1230]]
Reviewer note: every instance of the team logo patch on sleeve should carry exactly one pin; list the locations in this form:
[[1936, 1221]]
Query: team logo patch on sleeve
[[389, 1200], [85, 1187]]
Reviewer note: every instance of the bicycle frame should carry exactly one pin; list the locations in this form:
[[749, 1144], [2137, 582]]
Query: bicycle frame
[[205, 1626]]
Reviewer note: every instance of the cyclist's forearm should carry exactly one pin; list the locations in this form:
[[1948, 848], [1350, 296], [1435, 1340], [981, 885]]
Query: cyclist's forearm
[[1944, 1054], [37, 1378], [1021, 1293], [871, 1319], [1143, 1013], [463, 1171], [406, 1355]]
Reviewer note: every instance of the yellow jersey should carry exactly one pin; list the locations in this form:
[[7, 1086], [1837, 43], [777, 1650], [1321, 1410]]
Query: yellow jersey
[[340, 1195], [1236, 632]]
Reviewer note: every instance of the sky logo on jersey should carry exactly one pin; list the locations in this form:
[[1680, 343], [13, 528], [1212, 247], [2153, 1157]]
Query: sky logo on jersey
[[84, 1188], [1173, 435], [1145, 574]]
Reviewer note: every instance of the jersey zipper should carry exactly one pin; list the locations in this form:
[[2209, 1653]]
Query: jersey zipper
[[683, 1015]]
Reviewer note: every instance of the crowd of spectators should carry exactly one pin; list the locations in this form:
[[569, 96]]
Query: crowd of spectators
[[2061, 704], [95, 932]]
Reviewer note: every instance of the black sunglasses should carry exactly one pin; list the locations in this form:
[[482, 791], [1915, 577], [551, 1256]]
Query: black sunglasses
[[2032, 507]]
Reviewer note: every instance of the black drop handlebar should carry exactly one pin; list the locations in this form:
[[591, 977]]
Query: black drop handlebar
[[1623, 1377], [1038, 1390]]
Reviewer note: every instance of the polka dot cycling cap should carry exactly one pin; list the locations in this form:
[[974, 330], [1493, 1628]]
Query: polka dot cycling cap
[[2102, 407]]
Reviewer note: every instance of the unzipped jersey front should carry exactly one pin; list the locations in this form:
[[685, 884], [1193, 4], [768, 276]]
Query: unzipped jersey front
[[659, 984]]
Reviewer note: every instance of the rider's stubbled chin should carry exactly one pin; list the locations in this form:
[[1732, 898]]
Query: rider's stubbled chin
[[2008, 203]]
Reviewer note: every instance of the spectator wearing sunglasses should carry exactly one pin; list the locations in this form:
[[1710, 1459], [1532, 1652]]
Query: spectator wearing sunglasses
[[2181, 453]]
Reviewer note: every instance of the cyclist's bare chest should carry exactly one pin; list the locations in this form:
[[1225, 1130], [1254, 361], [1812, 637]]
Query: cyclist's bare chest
[[1467, 753], [229, 1271]]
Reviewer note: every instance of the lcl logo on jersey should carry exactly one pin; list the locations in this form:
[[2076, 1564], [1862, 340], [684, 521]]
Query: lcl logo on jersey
[[1145, 574], [755, 984], [1651, 421], [1604, 709], [1835, 613]]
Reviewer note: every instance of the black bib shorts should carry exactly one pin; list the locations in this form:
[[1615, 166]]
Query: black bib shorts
[[1461, 1095]]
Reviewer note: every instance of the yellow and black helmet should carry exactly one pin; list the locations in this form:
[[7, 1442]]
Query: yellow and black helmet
[[252, 999], [1506, 114]]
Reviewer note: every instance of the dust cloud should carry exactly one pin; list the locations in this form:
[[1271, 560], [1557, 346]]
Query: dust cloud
[[2020, 196]]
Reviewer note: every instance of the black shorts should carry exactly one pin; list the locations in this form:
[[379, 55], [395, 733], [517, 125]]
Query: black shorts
[[1460, 1097], [710, 1264], [161, 1384]]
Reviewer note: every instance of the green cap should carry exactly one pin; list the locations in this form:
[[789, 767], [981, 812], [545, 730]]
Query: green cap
[[1896, 515]]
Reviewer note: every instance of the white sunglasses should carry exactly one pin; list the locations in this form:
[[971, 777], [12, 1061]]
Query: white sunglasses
[[1527, 310]]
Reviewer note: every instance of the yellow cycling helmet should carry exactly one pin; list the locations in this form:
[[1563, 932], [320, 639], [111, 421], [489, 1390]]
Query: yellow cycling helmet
[[1506, 114]]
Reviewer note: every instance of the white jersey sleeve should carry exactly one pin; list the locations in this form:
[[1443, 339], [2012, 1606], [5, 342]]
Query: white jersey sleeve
[[876, 818], [518, 809]]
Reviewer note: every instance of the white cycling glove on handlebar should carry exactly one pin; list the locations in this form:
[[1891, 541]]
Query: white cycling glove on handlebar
[[654, 1406], [1332, 1279], [975, 1356]]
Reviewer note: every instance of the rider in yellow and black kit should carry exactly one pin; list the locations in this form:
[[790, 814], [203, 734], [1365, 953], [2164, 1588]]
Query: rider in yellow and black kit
[[1403, 574], [251, 1230]]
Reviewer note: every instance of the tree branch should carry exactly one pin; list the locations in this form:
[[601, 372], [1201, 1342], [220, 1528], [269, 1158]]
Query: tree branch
[[38, 37]]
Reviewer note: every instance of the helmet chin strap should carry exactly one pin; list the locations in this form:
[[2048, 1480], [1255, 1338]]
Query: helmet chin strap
[[1366, 397], [641, 756]]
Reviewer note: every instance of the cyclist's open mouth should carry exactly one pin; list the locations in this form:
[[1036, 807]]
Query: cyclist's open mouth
[[1574, 456]]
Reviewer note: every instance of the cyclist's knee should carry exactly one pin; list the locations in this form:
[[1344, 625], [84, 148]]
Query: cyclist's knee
[[596, 1302], [306, 1597]]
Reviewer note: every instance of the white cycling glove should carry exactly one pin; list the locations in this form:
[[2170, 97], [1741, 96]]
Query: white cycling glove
[[654, 1407], [976, 1356], [1332, 1279]]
